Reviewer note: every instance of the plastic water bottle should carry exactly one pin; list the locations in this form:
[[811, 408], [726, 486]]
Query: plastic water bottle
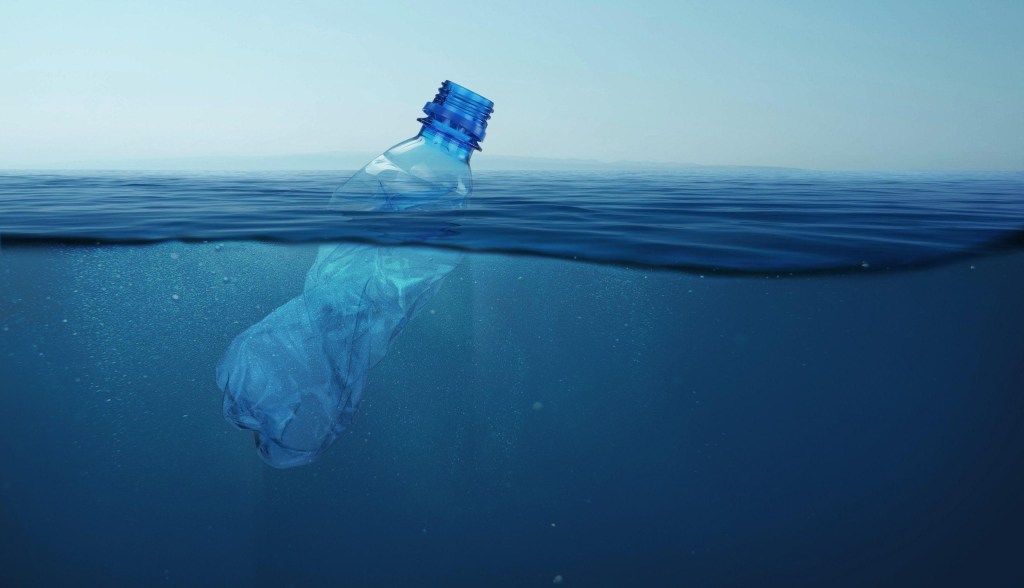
[[296, 378]]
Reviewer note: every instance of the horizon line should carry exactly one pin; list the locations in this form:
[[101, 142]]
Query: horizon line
[[344, 160]]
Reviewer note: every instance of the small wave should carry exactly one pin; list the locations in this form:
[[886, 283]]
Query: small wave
[[709, 221]]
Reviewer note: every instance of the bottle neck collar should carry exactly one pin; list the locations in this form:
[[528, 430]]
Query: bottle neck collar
[[440, 137]]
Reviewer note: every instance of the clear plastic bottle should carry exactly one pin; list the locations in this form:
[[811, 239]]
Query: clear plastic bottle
[[296, 378]]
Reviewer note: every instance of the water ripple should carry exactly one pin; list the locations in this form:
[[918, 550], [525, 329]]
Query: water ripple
[[729, 221]]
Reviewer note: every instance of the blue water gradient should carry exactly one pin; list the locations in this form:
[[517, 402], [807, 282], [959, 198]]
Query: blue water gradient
[[539, 418], [704, 220]]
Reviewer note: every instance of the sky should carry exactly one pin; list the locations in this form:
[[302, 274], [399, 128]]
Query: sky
[[896, 85]]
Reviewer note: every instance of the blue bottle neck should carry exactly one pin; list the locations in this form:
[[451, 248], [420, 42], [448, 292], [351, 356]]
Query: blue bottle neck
[[456, 120], [443, 138]]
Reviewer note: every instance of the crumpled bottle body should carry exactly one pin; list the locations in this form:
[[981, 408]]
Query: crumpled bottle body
[[297, 377]]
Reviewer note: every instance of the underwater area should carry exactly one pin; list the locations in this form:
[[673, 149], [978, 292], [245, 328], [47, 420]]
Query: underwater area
[[727, 378]]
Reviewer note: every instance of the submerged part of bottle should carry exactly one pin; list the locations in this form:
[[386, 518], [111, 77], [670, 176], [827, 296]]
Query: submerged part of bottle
[[296, 378]]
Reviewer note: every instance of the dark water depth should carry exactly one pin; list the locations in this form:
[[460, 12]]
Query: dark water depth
[[729, 220], [539, 422]]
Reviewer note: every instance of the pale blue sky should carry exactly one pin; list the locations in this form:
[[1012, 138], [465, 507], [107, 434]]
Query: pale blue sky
[[816, 84]]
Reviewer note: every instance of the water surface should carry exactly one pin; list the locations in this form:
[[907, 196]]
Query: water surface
[[759, 221], [542, 417]]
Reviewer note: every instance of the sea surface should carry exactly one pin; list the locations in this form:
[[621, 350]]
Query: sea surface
[[696, 378], [713, 220]]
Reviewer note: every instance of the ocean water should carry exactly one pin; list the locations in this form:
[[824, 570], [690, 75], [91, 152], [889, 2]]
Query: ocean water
[[724, 378]]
